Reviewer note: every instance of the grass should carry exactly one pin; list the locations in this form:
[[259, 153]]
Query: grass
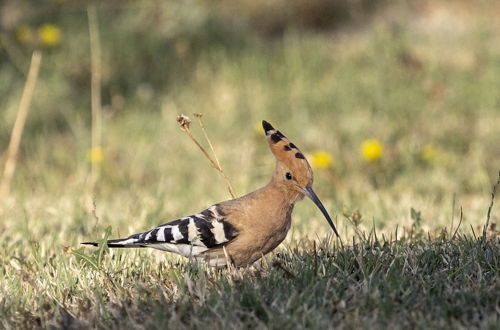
[[408, 258], [372, 283]]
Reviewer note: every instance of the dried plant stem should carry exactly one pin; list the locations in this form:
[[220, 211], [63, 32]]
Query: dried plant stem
[[17, 131], [184, 122], [218, 167], [459, 224], [95, 87], [488, 216], [212, 162], [200, 122]]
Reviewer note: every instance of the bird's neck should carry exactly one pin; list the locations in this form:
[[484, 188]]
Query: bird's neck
[[281, 192], [276, 195]]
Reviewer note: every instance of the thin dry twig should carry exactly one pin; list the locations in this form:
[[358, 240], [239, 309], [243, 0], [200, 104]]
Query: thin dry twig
[[95, 88], [459, 224], [200, 122], [453, 212], [17, 131], [185, 122], [488, 216], [219, 168]]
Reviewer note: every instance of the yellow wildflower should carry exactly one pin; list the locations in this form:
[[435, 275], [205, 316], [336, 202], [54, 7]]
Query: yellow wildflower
[[24, 34], [429, 152], [372, 149], [321, 159], [345, 211], [49, 35], [95, 155], [259, 129]]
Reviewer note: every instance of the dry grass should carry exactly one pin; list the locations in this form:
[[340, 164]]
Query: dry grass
[[17, 130]]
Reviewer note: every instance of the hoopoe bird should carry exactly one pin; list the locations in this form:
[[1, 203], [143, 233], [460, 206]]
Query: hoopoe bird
[[242, 230]]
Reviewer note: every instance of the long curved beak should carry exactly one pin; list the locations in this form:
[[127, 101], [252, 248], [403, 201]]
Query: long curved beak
[[309, 192]]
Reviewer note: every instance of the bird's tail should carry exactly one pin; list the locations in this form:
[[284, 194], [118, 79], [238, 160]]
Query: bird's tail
[[129, 242]]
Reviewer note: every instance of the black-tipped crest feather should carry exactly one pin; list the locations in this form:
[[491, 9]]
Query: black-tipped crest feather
[[267, 127]]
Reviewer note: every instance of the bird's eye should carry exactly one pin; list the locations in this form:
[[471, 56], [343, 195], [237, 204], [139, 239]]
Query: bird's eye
[[288, 176]]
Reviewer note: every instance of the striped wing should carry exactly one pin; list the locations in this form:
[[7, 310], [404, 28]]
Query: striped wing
[[186, 236]]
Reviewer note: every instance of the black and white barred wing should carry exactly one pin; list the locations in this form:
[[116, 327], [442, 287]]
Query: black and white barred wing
[[188, 236]]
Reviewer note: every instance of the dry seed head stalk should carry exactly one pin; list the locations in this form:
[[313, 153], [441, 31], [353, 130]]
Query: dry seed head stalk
[[184, 121], [17, 130], [96, 99], [488, 215]]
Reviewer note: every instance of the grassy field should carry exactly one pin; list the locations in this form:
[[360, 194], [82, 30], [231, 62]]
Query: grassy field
[[417, 82]]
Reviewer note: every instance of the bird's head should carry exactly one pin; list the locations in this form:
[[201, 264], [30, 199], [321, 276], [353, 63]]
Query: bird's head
[[292, 168]]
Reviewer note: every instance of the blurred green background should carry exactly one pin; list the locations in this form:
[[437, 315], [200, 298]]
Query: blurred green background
[[396, 105]]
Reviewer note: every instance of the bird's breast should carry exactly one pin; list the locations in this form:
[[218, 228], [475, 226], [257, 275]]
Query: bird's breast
[[259, 235]]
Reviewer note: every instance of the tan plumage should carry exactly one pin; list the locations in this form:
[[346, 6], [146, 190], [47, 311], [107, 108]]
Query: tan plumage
[[244, 229]]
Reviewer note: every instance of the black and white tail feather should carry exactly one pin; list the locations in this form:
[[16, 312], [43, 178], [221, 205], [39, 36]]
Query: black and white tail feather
[[189, 236]]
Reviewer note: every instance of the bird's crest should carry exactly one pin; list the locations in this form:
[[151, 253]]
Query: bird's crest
[[287, 153]]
